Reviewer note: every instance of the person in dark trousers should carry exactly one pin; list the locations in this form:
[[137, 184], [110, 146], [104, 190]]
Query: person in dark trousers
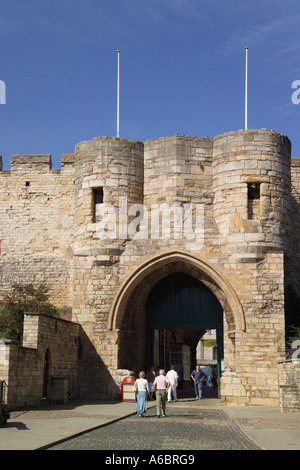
[[161, 385], [150, 377], [214, 377], [197, 376]]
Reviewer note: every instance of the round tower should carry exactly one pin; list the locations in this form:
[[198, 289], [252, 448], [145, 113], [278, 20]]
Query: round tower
[[108, 180], [251, 181]]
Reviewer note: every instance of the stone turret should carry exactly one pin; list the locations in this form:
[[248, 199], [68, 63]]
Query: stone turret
[[109, 177], [252, 183]]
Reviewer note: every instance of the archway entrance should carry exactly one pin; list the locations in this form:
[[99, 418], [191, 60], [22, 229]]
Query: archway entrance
[[179, 311], [131, 326]]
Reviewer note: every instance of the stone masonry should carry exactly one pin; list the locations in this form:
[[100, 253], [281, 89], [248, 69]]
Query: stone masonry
[[245, 246], [23, 366]]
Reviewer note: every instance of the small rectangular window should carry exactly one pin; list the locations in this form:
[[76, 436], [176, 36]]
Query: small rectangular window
[[97, 199], [253, 201]]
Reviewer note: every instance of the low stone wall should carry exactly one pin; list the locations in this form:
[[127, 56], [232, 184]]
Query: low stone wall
[[45, 366], [289, 385]]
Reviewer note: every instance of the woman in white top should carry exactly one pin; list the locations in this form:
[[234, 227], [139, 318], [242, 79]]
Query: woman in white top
[[142, 388]]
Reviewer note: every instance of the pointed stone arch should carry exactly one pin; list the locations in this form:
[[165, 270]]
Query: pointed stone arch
[[145, 276]]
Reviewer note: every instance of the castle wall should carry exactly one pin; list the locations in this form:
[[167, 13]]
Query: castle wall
[[178, 169], [37, 222], [289, 385], [22, 365], [292, 277]]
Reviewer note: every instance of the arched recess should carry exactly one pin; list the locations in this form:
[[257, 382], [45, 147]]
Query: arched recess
[[140, 282]]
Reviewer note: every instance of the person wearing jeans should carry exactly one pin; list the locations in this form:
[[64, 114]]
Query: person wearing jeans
[[197, 376], [142, 388]]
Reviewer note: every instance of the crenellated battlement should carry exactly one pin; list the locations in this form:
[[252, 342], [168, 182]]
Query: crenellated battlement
[[37, 163]]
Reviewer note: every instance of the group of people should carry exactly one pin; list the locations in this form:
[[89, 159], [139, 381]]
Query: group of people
[[164, 386]]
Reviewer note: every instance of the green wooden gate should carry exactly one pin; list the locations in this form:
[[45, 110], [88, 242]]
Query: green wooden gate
[[180, 301]]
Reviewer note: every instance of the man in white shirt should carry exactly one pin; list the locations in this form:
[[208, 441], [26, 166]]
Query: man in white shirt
[[172, 376]]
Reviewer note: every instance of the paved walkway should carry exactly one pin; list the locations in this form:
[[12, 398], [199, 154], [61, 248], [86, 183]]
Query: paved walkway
[[35, 429], [186, 429]]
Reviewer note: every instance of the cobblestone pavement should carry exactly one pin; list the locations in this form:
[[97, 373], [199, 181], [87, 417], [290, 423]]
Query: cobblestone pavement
[[187, 426]]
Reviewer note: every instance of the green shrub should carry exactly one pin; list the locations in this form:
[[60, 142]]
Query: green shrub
[[24, 298]]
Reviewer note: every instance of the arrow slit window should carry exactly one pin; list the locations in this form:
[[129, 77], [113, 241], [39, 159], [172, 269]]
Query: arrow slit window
[[97, 201], [253, 201]]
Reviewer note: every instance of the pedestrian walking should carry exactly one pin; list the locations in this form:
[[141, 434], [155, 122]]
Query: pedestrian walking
[[150, 376], [161, 385], [142, 388], [197, 376], [172, 376]]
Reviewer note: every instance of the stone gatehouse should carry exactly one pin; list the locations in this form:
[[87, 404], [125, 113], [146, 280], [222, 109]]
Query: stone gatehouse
[[152, 244]]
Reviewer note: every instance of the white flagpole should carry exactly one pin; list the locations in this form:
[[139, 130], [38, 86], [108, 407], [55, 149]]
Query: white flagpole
[[246, 91], [118, 97]]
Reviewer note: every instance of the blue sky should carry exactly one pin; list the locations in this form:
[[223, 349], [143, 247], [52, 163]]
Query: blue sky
[[182, 70]]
